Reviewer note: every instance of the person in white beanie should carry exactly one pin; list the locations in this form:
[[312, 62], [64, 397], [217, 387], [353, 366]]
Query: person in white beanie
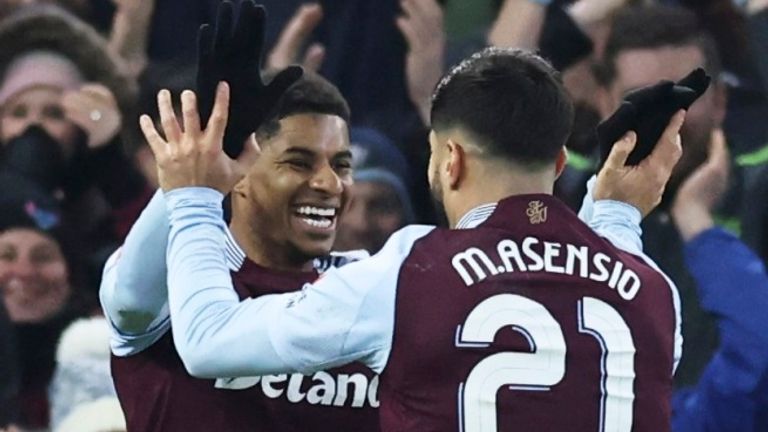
[[102, 415], [82, 371]]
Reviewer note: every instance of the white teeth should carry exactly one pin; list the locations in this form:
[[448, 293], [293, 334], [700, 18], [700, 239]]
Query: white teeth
[[317, 211], [324, 223]]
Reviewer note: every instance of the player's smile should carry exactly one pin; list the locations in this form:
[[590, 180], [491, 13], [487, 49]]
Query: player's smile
[[298, 188], [315, 219]]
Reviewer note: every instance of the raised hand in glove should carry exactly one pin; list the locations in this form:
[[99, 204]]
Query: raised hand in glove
[[647, 111], [232, 52]]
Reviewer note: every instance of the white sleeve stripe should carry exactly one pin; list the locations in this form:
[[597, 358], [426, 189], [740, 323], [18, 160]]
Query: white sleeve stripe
[[234, 254]]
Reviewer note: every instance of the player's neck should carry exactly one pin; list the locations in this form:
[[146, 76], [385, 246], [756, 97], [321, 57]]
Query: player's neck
[[492, 188], [264, 252]]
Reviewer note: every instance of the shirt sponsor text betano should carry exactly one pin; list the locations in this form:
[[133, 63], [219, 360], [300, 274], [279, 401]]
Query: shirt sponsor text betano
[[340, 390]]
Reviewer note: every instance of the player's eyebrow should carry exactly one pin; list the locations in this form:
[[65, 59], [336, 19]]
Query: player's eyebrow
[[299, 151], [344, 154]]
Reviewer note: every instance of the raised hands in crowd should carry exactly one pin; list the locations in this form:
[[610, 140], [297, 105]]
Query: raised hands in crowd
[[422, 26], [294, 37], [700, 193], [94, 109], [130, 34]]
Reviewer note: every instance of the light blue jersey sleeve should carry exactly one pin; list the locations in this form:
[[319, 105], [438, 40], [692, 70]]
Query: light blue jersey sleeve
[[347, 315], [619, 223], [133, 290], [616, 221]]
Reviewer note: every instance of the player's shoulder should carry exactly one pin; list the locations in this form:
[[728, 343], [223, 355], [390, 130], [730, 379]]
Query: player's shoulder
[[391, 255], [402, 241], [398, 244], [339, 259]]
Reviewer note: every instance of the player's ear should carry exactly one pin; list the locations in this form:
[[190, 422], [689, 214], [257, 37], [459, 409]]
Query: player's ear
[[240, 189], [455, 164], [561, 161]]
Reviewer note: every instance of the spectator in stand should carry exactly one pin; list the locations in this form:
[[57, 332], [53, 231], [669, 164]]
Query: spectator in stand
[[62, 104], [102, 415], [518, 24], [755, 223], [379, 202], [9, 370], [82, 374], [39, 282], [79, 7], [732, 393]]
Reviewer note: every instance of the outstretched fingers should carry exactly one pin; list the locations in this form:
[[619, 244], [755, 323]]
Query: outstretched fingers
[[155, 141], [168, 121], [718, 149], [217, 124], [718, 159], [190, 114]]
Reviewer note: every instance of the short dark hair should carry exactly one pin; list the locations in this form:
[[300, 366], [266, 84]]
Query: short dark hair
[[511, 101], [311, 94], [656, 26]]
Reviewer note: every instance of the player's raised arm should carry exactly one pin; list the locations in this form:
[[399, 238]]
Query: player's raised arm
[[620, 186], [623, 192], [133, 290], [329, 323]]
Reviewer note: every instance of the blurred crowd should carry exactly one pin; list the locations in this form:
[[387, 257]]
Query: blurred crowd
[[75, 174]]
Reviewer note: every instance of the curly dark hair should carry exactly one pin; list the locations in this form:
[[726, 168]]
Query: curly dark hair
[[311, 94], [511, 101]]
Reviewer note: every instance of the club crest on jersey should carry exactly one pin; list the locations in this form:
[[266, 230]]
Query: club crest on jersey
[[537, 212]]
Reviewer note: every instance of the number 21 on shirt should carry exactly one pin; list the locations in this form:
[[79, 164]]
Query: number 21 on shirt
[[544, 367]]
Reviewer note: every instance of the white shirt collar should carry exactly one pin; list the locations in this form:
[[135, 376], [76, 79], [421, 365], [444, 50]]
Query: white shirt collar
[[476, 216], [235, 255]]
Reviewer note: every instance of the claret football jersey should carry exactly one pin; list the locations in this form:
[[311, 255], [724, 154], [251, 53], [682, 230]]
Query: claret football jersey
[[157, 394], [530, 321], [525, 320]]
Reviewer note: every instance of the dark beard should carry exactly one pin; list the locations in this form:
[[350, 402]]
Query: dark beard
[[436, 191]]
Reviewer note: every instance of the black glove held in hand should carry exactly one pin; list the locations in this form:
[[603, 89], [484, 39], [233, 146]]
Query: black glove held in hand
[[647, 111], [233, 53]]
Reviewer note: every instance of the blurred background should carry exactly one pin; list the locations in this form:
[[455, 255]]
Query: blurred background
[[74, 172]]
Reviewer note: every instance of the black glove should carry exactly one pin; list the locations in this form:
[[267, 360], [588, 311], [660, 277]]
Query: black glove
[[233, 53], [647, 111]]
